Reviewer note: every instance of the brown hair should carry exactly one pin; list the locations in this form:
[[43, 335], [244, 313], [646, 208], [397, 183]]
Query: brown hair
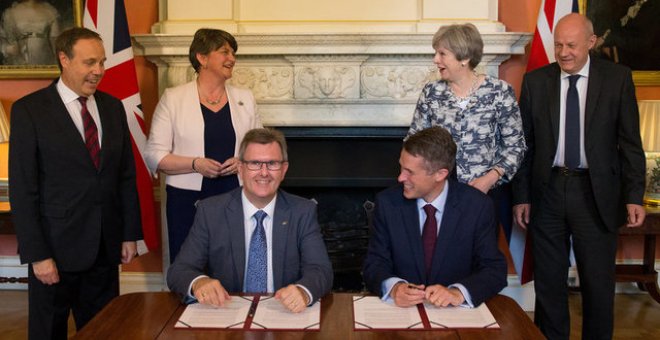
[[68, 38], [263, 136], [435, 145], [207, 40]]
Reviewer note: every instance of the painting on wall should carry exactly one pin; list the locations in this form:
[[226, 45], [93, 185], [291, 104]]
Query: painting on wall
[[628, 33], [28, 29]]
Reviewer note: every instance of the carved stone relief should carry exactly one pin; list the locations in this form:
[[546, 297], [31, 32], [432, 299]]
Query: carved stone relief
[[326, 82], [395, 82], [329, 80], [265, 82]]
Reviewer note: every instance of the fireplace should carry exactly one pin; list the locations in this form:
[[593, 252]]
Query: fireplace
[[343, 98], [342, 169]]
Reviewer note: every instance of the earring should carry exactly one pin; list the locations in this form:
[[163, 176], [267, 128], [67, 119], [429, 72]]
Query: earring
[[463, 64]]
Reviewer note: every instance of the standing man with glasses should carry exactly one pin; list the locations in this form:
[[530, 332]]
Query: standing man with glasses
[[582, 177], [73, 196], [255, 239]]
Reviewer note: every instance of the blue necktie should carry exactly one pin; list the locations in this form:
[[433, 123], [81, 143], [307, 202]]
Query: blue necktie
[[572, 127], [257, 269]]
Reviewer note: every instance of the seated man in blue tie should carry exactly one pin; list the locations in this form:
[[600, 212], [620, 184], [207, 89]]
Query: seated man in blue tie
[[434, 238], [256, 238]]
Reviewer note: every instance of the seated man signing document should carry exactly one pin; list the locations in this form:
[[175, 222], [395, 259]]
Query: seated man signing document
[[256, 238], [434, 238]]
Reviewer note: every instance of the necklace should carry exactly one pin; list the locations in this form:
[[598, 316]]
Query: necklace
[[214, 102], [209, 100], [469, 92]]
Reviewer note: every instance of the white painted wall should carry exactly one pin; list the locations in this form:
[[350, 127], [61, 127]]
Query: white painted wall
[[314, 16]]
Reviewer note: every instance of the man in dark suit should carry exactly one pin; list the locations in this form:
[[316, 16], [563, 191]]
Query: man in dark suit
[[73, 196], [434, 239], [580, 178], [219, 255]]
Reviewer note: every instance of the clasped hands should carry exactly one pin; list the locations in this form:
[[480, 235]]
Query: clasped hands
[[209, 291], [211, 168], [406, 295]]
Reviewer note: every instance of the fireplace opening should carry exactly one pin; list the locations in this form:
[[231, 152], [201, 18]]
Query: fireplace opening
[[342, 169]]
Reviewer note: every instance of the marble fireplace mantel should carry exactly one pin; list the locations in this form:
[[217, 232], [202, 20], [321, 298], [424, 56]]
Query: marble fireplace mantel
[[328, 79]]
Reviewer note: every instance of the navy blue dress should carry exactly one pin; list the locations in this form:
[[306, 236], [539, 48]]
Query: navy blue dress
[[219, 144]]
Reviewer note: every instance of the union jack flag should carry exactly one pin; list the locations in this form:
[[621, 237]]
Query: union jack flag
[[542, 50], [108, 18]]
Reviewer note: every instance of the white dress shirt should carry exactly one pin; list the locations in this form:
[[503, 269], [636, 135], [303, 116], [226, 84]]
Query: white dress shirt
[[581, 86], [74, 107]]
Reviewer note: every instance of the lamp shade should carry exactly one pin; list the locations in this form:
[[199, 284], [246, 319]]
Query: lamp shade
[[649, 124], [4, 126]]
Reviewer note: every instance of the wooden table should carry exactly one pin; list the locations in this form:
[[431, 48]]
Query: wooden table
[[643, 274], [153, 315]]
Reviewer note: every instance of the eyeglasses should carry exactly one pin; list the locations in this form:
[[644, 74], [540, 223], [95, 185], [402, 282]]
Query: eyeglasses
[[257, 165]]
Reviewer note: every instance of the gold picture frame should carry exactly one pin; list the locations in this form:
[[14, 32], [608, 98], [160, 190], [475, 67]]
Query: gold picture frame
[[646, 78], [633, 23], [70, 14]]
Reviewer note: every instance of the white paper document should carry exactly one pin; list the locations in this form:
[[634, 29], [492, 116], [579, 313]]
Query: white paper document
[[231, 315], [369, 312], [271, 314], [460, 317]]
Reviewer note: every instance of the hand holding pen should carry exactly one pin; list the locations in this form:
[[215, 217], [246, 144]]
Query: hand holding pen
[[407, 294]]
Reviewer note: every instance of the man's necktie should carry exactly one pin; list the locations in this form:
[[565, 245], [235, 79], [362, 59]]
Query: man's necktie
[[572, 127], [91, 133], [429, 236], [257, 269]]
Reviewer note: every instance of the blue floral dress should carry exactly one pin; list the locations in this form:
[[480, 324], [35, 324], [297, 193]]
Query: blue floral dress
[[486, 126]]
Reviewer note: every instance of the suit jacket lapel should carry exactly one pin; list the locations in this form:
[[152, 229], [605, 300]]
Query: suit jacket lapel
[[448, 227], [280, 231], [105, 125], [410, 220], [553, 84], [237, 234], [593, 89], [62, 118]]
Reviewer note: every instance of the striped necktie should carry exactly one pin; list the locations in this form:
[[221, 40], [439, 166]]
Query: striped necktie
[[429, 236], [91, 133]]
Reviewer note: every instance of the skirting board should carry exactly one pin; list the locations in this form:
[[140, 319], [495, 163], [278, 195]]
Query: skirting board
[[11, 267], [129, 282]]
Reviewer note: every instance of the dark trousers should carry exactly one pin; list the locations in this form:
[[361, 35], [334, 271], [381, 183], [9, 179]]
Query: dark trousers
[[84, 293], [568, 209], [502, 198], [180, 213]]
